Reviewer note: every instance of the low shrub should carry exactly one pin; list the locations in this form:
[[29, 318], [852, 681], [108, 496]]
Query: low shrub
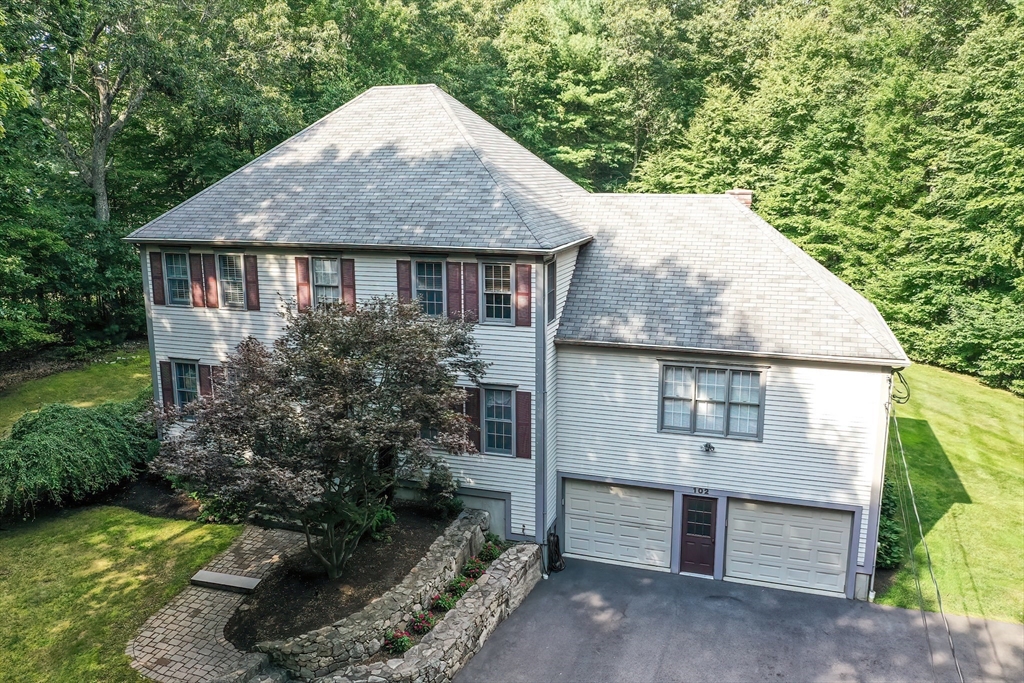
[[397, 642], [439, 492], [474, 569], [442, 602], [62, 453], [458, 586], [422, 622], [490, 552], [890, 530], [384, 518]]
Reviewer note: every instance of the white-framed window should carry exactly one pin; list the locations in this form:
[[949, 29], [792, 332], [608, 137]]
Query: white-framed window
[[326, 281], [712, 400], [498, 421], [232, 280], [430, 286], [552, 290], [179, 286], [497, 293], [186, 382]]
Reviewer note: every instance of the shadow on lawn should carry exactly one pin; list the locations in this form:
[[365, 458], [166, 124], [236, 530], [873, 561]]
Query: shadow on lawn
[[937, 486]]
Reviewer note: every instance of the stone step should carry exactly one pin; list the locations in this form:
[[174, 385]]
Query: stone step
[[224, 582]]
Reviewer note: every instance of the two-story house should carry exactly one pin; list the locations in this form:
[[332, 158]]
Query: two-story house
[[672, 384]]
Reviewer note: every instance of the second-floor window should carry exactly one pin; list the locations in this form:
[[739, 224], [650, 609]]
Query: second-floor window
[[708, 400], [179, 289], [232, 280], [498, 292], [552, 289], [326, 281], [430, 286]]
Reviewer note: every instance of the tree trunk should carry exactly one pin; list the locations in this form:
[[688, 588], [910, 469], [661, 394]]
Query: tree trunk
[[101, 204]]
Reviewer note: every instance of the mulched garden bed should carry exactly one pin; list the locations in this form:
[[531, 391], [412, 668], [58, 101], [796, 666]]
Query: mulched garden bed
[[298, 597], [153, 496]]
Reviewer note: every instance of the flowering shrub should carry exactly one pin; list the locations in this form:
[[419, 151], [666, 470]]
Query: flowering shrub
[[422, 622], [490, 552], [474, 569], [397, 642], [442, 602], [458, 586]]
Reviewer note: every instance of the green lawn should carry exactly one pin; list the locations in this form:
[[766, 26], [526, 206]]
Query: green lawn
[[965, 447], [74, 587], [118, 376]]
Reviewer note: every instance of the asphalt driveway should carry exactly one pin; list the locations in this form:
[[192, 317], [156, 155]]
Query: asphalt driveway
[[596, 622]]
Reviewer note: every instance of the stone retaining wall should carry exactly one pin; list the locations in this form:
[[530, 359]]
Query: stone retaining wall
[[462, 632], [359, 636]]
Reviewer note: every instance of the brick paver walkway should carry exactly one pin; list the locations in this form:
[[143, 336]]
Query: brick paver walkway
[[184, 642]]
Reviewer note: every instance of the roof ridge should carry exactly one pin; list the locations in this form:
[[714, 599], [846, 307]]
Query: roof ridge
[[238, 170], [813, 269], [471, 141]]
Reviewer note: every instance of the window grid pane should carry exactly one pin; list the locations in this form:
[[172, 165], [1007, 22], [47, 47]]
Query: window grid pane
[[326, 281], [176, 270], [497, 291], [743, 419], [186, 382], [430, 287], [745, 387], [232, 280], [498, 421]]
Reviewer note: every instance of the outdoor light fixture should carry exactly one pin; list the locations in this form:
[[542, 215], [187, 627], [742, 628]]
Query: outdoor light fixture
[[707, 448]]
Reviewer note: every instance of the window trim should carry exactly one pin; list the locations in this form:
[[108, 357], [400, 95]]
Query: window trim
[[484, 388], [551, 285], [482, 279], [313, 302], [221, 280], [444, 283], [175, 362], [188, 278], [729, 369]]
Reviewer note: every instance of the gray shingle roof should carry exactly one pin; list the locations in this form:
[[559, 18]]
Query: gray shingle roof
[[404, 166], [703, 272]]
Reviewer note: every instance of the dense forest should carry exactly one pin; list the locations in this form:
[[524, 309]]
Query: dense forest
[[886, 137]]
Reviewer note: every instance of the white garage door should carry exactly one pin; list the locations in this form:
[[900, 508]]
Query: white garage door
[[620, 524], [788, 544]]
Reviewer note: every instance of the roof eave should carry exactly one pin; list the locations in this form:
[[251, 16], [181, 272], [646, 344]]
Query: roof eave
[[894, 363], [342, 246]]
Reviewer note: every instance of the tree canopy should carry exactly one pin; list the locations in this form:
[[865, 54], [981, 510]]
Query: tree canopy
[[883, 137]]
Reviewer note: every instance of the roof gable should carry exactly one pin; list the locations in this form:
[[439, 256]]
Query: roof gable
[[404, 166], [704, 273]]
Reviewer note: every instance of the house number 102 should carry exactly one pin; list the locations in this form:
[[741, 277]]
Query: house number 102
[[697, 489]]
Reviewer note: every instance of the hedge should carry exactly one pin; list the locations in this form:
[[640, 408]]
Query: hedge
[[62, 453]]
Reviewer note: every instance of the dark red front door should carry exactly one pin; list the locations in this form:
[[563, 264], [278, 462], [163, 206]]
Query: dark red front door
[[698, 535]]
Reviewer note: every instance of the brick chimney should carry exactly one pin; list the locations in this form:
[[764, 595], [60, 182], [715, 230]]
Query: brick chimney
[[745, 196]]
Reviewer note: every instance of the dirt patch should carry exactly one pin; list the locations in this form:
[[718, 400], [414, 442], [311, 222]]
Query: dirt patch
[[298, 597], [884, 579], [153, 496]]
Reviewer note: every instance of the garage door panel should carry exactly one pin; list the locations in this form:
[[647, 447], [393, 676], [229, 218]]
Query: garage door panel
[[624, 524], [788, 544]]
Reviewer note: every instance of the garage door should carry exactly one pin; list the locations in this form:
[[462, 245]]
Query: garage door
[[620, 524], [788, 544]]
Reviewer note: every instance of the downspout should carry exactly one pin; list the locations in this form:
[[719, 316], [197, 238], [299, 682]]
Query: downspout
[[540, 520], [881, 490]]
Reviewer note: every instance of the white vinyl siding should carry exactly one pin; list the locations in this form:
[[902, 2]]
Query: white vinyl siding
[[820, 434], [208, 335], [179, 285], [566, 264], [232, 280]]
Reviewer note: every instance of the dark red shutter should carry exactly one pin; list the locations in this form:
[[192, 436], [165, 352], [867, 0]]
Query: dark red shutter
[[470, 293], [252, 282], [348, 284], [210, 271], [404, 281], [156, 273], [523, 441], [302, 282], [454, 290], [205, 381], [473, 413], [166, 384], [195, 267], [523, 286]]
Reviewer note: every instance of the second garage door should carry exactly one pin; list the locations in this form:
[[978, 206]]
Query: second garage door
[[620, 524], [791, 545]]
